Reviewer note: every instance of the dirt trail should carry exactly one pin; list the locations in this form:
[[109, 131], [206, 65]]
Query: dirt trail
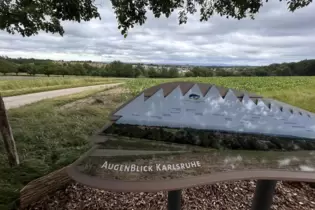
[[21, 100]]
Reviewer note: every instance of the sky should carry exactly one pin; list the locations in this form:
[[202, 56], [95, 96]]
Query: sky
[[275, 36]]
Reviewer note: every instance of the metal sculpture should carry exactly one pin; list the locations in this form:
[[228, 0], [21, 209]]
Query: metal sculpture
[[178, 135]]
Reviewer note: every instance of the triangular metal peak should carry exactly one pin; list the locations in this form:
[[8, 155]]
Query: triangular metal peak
[[255, 100], [230, 96], [261, 103], [237, 93], [267, 102], [287, 110], [213, 93], [204, 88], [194, 90], [175, 94], [154, 103], [134, 106], [157, 95], [248, 102], [185, 87], [299, 114], [274, 108]]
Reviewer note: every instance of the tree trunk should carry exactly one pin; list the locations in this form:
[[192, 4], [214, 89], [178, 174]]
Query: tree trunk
[[7, 136]]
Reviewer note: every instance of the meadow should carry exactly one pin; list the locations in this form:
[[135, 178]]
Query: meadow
[[12, 85], [53, 133]]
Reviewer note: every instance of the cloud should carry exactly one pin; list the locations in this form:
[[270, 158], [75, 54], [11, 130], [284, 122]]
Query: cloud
[[276, 35]]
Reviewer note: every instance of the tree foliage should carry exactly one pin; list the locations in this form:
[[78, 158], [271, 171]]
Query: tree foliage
[[133, 12], [119, 69], [28, 17], [6, 67]]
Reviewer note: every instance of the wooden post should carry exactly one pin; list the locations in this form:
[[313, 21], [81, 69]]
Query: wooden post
[[7, 136], [43, 186]]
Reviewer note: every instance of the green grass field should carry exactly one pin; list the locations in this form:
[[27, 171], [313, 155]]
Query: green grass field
[[10, 85], [49, 136]]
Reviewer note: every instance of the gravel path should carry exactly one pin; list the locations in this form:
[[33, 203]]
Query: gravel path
[[223, 196], [17, 101]]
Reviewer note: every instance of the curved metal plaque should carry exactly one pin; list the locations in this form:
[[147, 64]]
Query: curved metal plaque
[[178, 135]]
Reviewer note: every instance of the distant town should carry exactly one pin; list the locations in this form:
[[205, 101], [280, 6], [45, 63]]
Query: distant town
[[180, 68], [31, 66]]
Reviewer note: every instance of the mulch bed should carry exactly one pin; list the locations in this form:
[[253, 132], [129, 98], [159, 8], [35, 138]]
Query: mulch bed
[[222, 196]]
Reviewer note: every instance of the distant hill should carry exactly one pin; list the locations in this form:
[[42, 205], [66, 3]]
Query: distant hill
[[33, 66]]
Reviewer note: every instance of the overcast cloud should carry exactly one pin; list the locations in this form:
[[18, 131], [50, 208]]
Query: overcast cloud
[[276, 35]]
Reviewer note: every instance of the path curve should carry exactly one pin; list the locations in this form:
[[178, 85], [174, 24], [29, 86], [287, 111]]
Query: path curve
[[21, 100]]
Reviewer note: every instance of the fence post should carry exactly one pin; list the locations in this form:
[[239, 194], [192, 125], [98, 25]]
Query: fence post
[[264, 194], [7, 136], [174, 200]]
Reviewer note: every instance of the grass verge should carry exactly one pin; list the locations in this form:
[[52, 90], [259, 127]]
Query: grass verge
[[49, 138]]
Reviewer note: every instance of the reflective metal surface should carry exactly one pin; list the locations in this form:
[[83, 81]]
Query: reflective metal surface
[[152, 147], [232, 111]]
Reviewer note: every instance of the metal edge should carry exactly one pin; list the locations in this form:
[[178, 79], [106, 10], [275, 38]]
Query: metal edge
[[114, 117], [176, 184], [98, 135]]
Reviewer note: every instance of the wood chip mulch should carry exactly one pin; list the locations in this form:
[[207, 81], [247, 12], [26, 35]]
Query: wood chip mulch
[[221, 196]]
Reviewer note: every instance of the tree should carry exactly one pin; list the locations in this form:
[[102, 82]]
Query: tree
[[32, 69], [131, 12], [199, 71], [143, 72], [27, 17], [173, 73], [47, 69], [119, 69], [163, 72], [6, 67], [88, 68], [62, 70], [189, 74], [222, 73], [261, 72], [139, 71], [152, 72]]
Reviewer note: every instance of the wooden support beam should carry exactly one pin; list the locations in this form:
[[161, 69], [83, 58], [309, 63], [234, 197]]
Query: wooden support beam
[[7, 136], [43, 186]]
